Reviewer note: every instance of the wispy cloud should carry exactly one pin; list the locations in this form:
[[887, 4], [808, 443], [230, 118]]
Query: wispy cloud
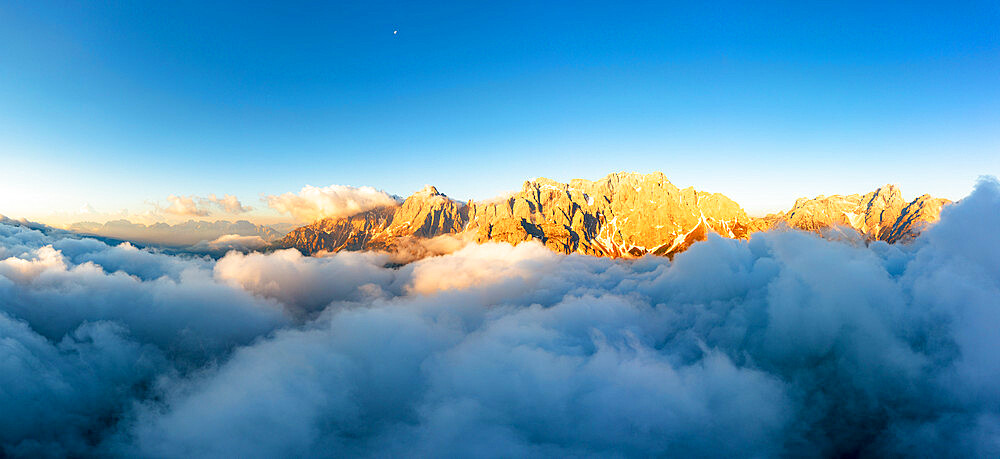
[[195, 206], [185, 206], [229, 203]]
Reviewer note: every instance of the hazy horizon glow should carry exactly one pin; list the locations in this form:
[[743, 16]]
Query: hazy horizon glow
[[104, 109]]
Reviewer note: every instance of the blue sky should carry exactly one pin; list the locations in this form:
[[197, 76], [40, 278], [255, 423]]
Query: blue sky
[[120, 105]]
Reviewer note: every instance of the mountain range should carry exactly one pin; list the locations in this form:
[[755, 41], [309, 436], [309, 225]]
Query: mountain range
[[620, 215], [180, 235]]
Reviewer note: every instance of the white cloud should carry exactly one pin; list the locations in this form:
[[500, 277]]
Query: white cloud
[[305, 284], [313, 203], [479, 265], [784, 345]]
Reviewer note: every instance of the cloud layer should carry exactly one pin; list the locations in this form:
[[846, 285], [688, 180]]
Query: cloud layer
[[313, 203], [786, 344]]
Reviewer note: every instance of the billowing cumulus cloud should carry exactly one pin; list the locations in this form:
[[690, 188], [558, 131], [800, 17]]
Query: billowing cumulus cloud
[[313, 203], [784, 345], [306, 284]]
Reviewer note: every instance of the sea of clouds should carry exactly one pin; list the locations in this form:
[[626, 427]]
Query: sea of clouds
[[787, 344]]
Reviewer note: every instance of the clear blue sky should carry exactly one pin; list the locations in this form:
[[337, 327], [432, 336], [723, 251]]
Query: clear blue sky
[[118, 104]]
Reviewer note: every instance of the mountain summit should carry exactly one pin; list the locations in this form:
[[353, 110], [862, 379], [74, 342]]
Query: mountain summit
[[620, 215], [881, 215]]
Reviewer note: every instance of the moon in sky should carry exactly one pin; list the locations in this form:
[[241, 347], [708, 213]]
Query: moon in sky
[[394, 32]]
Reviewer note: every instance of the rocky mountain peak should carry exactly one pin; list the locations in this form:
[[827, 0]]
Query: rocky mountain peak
[[426, 213], [427, 190], [889, 189], [888, 195], [624, 214], [878, 215]]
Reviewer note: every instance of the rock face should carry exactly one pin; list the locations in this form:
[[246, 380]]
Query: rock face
[[364, 231], [427, 213], [916, 216], [621, 215], [881, 215]]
